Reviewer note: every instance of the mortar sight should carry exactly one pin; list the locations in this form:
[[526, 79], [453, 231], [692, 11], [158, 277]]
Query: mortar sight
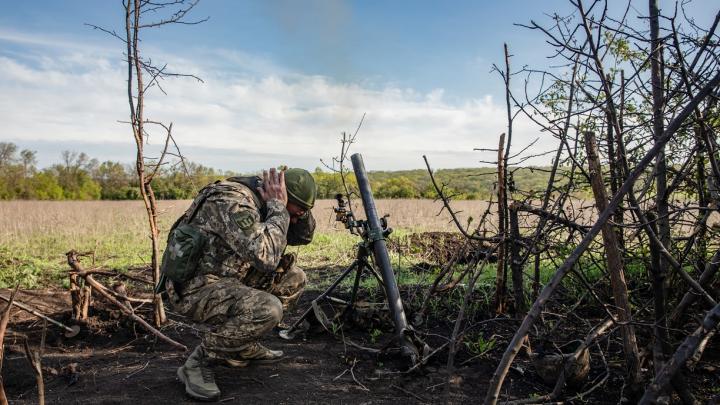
[[341, 212]]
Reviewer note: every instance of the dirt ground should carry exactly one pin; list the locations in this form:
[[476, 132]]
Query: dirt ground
[[110, 363], [114, 361]]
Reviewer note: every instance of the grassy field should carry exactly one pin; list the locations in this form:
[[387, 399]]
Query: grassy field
[[34, 235]]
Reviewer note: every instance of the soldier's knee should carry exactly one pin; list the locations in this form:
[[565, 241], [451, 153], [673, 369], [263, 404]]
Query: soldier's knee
[[270, 310], [276, 310]]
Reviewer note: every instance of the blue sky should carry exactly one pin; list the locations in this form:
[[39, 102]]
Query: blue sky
[[418, 44], [282, 79]]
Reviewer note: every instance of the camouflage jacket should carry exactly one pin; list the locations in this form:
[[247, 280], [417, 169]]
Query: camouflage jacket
[[243, 232]]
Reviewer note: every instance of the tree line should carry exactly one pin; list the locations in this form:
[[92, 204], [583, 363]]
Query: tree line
[[79, 177]]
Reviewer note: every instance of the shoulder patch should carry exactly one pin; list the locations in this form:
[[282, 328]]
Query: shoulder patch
[[244, 219]]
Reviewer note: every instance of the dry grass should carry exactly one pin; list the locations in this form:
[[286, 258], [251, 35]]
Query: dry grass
[[78, 221], [405, 214], [74, 221], [34, 235]]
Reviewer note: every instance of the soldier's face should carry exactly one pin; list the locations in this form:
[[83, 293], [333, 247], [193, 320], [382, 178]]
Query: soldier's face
[[295, 212]]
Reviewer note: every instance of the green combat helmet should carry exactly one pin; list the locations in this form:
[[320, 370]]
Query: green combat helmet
[[300, 187]]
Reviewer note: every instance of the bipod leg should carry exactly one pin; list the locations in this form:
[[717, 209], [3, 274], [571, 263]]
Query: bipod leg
[[288, 334], [378, 277], [361, 265]]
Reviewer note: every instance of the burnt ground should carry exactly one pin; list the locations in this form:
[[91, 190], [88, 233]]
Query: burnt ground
[[111, 361], [114, 361]]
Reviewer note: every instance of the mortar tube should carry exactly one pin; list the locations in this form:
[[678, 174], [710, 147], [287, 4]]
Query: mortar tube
[[382, 259]]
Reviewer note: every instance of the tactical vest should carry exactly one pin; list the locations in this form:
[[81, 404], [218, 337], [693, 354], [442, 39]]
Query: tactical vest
[[186, 242]]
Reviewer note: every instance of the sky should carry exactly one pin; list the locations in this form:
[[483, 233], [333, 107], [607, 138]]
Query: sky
[[281, 80]]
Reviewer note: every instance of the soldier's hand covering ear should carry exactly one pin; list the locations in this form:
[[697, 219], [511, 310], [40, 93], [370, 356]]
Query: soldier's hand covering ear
[[273, 186]]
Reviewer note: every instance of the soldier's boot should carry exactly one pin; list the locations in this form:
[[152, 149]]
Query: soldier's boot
[[198, 378], [255, 353]]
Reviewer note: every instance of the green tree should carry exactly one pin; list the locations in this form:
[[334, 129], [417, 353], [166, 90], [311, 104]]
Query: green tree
[[74, 177], [7, 153], [113, 179], [44, 186], [28, 161], [330, 184], [396, 187], [10, 172]]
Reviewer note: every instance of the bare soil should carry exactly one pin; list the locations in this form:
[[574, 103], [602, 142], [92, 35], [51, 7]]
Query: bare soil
[[114, 361]]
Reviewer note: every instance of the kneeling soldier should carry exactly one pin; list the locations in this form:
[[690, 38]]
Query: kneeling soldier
[[225, 268]]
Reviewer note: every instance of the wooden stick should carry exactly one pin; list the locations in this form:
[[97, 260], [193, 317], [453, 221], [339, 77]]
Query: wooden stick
[[613, 257], [3, 326], [114, 274], [85, 298], [686, 349], [75, 264], [516, 262], [124, 298], [412, 394], [68, 330], [34, 357], [75, 297], [499, 299]]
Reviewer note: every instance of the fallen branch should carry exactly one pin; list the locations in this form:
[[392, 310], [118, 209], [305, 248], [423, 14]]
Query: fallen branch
[[352, 374], [695, 359], [69, 331], [75, 265], [3, 326], [412, 394], [568, 362], [124, 298], [114, 274], [682, 354], [361, 347], [711, 268], [34, 357]]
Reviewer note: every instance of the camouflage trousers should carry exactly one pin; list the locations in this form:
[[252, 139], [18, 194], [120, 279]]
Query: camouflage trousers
[[237, 312]]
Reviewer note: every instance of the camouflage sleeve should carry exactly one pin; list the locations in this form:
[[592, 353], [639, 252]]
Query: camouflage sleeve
[[301, 232], [237, 222]]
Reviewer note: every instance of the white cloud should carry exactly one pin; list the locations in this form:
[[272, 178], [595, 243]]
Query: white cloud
[[78, 95]]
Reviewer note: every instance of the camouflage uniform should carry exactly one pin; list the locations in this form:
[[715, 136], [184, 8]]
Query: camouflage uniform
[[241, 287]]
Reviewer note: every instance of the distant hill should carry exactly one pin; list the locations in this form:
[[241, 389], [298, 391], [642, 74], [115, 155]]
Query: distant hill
[[467, 183]]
